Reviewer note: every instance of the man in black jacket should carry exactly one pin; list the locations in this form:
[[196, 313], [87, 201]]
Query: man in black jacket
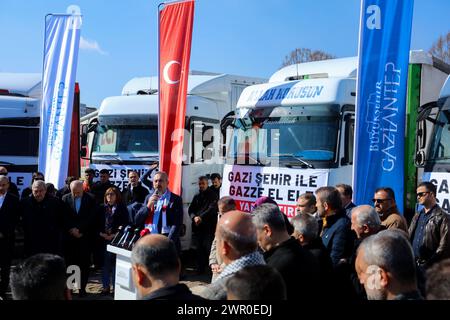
[[134, 192], [203, 211], [298, 267], [99, 188], [66, 189], [43, 221], [429, 229], [9, 214], [156, 270], [12, 189], [80, 223]]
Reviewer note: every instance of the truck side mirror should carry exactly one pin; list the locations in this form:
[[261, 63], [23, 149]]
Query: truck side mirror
[[84, 129], [420, 158], [83, 152]]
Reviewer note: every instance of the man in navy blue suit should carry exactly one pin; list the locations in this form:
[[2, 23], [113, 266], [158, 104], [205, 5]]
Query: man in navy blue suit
[[163, 212]]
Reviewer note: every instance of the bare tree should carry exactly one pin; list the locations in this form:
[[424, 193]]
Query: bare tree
[[441, 48], [300, 55]]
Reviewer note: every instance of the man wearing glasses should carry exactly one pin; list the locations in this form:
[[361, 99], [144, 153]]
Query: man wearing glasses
[[386, 207], [429, 230]]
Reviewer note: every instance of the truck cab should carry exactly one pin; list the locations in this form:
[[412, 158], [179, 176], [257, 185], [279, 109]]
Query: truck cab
[[295, 133], [20, 97]]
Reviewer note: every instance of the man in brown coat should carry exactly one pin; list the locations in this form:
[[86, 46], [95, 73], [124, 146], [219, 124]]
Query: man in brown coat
[[386, 207]]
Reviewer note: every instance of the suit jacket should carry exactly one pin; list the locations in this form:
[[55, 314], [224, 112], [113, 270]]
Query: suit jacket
[[13, 189], [337, 237], [119, 218], [43, 224], [348, 210], [137, 195], [9, 216], [204, 205], [83, 220], [62, 192], [174, 216]]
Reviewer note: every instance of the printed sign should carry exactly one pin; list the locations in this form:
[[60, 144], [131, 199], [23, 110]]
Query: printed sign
[[441, 180], [21, 179], [119, 173], [245, 184]]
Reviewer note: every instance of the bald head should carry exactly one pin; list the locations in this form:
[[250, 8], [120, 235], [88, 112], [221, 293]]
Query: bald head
[[76, 187], [238, 231], [3, 171], [157, 254]]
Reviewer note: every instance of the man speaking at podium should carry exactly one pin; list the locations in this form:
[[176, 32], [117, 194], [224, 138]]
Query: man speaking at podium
[[163, 212]]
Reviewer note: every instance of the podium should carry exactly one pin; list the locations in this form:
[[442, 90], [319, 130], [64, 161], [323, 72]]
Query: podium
[[124, 288]]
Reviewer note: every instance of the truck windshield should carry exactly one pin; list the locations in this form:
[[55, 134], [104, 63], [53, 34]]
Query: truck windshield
[[301, 137], [18, 141], [114, 139], [440, 145]]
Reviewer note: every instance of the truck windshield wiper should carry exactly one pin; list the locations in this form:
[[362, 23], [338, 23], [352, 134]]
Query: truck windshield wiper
[[144, 157], [304, 162], [109, 156], [248, 157]]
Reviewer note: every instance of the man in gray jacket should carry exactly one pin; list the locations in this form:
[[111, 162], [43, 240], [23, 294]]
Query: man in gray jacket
[[237, 246]]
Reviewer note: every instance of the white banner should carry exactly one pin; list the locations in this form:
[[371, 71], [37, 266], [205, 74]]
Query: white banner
[[21, 179], [245, 184], [441, 180], [62, 38], [118, 174]]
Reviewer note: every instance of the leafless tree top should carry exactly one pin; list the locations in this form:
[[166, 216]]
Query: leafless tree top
[[300, 55]]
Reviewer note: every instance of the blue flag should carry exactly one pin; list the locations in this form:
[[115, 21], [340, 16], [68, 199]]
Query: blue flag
[[62, 38], [385, 33]]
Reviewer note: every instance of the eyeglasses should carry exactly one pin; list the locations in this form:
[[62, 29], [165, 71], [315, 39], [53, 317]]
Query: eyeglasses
[[421, 194], [380, 200]]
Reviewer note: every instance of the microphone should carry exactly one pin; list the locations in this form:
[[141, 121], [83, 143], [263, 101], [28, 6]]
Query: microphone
[[124, 237], [144, 232], [135, 237], [117, 236]]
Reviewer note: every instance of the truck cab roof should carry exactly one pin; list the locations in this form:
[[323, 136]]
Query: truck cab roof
[[22, 84]]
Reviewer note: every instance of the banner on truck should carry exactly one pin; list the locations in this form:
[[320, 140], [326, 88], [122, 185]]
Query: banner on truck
[[441, 180], [245, 184], [118, 174], [175, 34], [62, 38], [384, 40]]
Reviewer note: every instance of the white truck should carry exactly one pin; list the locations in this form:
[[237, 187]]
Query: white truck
[[125, 131], [296, 132], [435, 157], [20, 97]]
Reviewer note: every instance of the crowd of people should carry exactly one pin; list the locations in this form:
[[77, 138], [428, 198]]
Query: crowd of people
[[331, 245]]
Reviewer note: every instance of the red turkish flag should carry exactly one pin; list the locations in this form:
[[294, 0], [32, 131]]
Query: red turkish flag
[[175, 34]]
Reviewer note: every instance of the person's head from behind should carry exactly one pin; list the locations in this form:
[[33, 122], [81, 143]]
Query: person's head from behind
[[216, 180], [365, 221], [76, 188], [155, 264], [262, 200], [3, 171], [51, 191], [270, 225], [40, 277], [306, 203], [385, 265], [438, 281], [225, 204], [69, 179], [4, 184], [306, 228], [104, 176], [236, 236], [37, 176], [346, 193], [89, 174], [328, 201], [202, 183], [260, 282], [38, 190], [383, 200]]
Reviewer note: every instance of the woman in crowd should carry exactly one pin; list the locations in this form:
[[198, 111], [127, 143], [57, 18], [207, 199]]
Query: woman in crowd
[[111, 216]]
